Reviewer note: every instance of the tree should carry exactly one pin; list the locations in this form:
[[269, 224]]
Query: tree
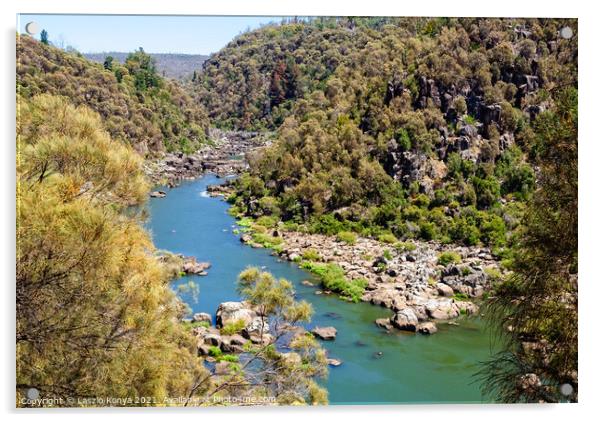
[[95, 316], [44, 37], [289, 377], [108, 63], [535, 309]]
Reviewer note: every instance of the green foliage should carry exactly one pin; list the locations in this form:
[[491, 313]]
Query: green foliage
[[347, 237], [462, 297], [311, 254], [539, 300], [138, 107], [387, 238], [44, 37], [233, 327], [95, 314], [333, 278], [290, 380], [215, 351], [227, 358], [449, 257]]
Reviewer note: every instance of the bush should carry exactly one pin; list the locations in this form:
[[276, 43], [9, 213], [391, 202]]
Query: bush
[[266, 240], [268, 222], [233, 327], [215, 351], [449, 257], [348, 237], [311, 255], [228, 358], [387, 238], [405, 246], [333, 278]]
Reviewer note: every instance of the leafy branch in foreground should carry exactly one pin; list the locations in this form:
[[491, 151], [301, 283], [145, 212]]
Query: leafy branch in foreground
[[263, 371], [535, 309]]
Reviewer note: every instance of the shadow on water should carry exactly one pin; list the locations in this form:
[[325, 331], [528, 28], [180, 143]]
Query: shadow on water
[[377, 367]]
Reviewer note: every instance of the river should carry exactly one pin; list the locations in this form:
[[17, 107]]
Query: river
[[412, 369]]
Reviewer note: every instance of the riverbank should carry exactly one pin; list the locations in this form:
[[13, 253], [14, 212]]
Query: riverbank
[[422, 283], [378, 366], [223, 156]]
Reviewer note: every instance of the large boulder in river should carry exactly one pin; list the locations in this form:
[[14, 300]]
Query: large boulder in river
[[325, 333], [405, 320], [427, 328], [230, 312], [442, 308]]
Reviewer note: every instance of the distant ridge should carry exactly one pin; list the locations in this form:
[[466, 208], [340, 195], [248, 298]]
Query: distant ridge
[[171, 65]]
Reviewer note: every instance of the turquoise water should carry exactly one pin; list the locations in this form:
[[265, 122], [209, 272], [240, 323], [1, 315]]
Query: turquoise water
[[412, 368]]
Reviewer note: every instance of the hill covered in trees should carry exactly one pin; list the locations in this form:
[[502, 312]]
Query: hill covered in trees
[[136, 104], [415, 126], [170, 65]]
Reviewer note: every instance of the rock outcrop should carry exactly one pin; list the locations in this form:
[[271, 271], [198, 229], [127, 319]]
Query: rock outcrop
[[406, 279], [224, 157], [325, 333]]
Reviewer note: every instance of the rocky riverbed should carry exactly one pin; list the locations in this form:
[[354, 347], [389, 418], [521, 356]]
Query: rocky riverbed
[[224, 157], [407, 278]]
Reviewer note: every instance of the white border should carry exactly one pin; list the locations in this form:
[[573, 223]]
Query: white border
[[589, 187]]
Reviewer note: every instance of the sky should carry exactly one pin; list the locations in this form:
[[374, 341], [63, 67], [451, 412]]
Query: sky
[[156, 34]]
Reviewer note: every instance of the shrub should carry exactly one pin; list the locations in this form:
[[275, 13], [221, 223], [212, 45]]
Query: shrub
[[405, 246], [268, 222], [387, 255], [462, 297], [333, 278], [266, 240], [215, 351], [311, 255], [227, 358], [449, 257], [233, 327], [387, 238], [348, 237]]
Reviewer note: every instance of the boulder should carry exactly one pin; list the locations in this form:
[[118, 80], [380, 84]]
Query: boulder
[[325, 333], [445, 290], [191, 266], [213, 339], [405, 320], [441, 309], [201, 317], [334, 362], [158, 194], [229, 312], [256, 327], [203, 349], [384, 323], [427, 328]]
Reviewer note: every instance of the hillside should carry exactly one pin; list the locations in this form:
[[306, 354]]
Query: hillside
[[415, 127], [170, 65], [136, 104]]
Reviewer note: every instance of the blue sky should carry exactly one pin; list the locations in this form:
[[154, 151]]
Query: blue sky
[[156, 34]]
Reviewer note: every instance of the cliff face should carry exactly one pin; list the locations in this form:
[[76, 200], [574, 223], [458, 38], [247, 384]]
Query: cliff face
[[372, 114], [137, 105]]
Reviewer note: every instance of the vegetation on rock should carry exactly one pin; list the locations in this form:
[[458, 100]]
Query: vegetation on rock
[[422, 128]]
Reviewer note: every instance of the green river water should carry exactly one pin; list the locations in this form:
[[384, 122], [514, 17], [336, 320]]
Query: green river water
[[412, 368]]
